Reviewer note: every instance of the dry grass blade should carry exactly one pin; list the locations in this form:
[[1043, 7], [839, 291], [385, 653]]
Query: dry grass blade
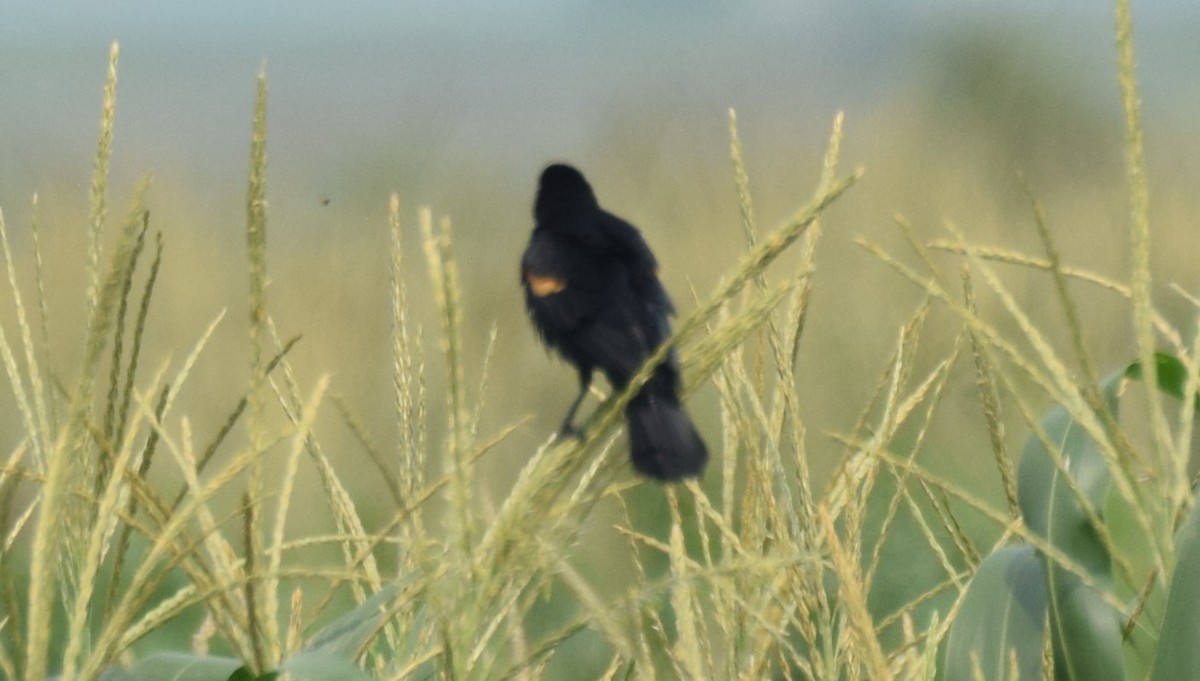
[[256, 250], [1056, 380], [1187, 422], [688, 617], [1139, 232], [211, 450], [932, 388], [122, 547], [407, 372], [40, 431], [601, 614], [251, 551], [1012, 257], [443, 273], [989, 398], [341, 504], [799, 311], [287, 483], [34, 426], [742, 181], [139, 330], [295, 628], [107, 516], [377, 456], [1002, 520], [1161, 325], [99, 189], [752, 264], [854, 603], [195, 506], [113, 396], [858, 467], [1080, 401], [67, 464], [43, 321]]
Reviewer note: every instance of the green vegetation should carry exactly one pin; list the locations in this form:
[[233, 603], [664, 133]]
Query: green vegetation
[[142, 543]]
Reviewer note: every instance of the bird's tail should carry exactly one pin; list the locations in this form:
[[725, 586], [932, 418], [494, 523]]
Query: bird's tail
[[663, 443]]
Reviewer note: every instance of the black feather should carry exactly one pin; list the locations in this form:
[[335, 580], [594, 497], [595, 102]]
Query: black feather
[[593, 294]]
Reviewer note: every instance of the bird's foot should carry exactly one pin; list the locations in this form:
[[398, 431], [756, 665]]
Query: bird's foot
[[568, 430]]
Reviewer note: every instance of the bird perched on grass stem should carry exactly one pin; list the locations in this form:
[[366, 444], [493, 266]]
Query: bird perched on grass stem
[[593, 294]]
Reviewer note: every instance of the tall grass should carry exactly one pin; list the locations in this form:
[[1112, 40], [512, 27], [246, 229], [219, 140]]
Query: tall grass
[[760, 570]]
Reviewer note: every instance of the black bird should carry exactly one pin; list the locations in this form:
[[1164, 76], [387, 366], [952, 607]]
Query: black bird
[[593, 294]]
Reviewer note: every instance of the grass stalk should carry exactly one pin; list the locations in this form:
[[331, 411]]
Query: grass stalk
[[34, 426], [443, 273], [68, 462], [1140, 279], [99, 189], [256, 248]]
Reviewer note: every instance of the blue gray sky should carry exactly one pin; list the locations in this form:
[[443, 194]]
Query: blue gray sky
[[509, 84]]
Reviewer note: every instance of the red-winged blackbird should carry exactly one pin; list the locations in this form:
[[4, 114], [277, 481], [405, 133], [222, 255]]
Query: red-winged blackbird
[[592, 290]]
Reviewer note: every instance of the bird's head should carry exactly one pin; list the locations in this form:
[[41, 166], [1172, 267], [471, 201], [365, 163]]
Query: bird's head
[[562, 188]]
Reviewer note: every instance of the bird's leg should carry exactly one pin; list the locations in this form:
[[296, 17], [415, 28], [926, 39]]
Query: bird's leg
[[568, 426]]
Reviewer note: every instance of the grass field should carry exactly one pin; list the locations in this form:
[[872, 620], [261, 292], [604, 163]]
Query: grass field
[[313, 434]]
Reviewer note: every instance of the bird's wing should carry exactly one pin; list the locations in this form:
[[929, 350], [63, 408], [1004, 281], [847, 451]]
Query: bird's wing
[[556, 302], [625, 241]]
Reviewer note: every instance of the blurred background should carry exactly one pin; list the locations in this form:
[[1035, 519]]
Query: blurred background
[[959, 110]]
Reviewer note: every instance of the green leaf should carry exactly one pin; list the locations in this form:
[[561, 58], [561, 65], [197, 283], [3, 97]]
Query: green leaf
[[346, 635], [1178, 655], [322, 666], [1086, 629], [1172, 375], [307, 666], [1048, 504], [242, 674], [1004, 610], [185, 667], [1139, 551]]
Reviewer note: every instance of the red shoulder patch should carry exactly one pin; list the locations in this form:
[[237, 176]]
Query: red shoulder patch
[[541, 286]]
